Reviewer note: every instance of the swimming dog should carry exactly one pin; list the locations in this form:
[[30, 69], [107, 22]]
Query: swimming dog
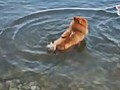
[[75, 33]]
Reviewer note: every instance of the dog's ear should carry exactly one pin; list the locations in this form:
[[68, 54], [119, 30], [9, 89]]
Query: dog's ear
[[76, 18]]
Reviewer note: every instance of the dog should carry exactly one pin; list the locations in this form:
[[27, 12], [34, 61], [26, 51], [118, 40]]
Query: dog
[[75, 33]]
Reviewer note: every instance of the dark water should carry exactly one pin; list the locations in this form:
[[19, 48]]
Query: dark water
[[27, 26]]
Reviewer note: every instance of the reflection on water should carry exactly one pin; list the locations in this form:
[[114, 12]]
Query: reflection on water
[[92, 65], [82, 46]]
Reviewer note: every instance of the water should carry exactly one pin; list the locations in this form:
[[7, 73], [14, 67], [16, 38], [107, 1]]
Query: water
[[27, 26]]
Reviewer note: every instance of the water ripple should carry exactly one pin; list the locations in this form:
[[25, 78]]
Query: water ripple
[[24, 42]]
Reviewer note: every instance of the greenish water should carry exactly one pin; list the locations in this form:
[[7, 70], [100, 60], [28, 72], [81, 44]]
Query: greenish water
[[26, 27]]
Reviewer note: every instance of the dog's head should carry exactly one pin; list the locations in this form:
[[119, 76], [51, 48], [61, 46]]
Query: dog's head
[[80, 23]]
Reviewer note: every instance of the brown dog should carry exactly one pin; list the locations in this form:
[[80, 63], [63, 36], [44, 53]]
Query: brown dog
[[76, 32]]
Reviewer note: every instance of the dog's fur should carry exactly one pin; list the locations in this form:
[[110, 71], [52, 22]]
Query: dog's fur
[[76, 32]]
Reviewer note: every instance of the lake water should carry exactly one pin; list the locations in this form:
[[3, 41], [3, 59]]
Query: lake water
[[27, 26]]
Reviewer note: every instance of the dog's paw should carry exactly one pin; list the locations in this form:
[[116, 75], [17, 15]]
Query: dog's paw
[[51, 47]]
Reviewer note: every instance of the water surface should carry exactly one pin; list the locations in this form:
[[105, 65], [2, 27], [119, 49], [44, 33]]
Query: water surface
[[27, 26]]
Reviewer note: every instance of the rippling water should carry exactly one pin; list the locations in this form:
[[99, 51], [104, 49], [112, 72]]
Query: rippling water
[[27, 26]]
